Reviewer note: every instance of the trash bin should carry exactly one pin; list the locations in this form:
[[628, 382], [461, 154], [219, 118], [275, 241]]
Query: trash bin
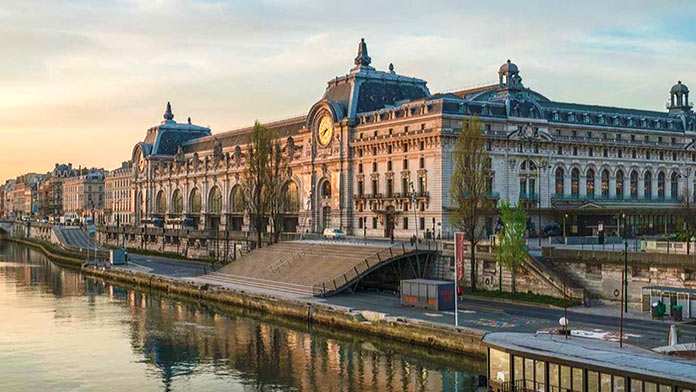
[[677, 312]]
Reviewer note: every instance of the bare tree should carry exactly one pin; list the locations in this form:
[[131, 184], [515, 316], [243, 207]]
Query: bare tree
[[689, 216], [468, 189], [279, 175], [257, 178]]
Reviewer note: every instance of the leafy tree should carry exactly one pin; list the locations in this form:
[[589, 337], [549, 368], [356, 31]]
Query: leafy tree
[[512, 247], [468, 190], [257, 177]]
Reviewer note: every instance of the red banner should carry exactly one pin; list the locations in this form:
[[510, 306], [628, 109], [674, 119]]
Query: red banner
[[459, 254]]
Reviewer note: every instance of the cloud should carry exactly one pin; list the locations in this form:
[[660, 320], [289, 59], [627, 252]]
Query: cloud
[[80, 75]]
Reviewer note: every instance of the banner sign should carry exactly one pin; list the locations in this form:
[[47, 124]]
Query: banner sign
[[459, 254]]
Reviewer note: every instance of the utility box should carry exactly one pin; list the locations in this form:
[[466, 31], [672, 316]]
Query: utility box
[[427, 294], [117, 256]]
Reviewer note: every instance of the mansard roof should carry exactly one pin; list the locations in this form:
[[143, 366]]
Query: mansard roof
[[281, 130], [366, 89], [164, 139]]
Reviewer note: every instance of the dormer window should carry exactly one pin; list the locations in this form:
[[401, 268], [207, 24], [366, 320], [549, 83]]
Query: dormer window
[[555, 116]]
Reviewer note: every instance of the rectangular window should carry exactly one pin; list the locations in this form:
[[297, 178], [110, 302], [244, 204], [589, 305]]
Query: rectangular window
[[405, 164], [360, 170], [554, 376], [405, 223], [360, 223], [421, 163], [590, 151], [374, 167], [620, 151], [499, 364], [559, 150], [575, 134], [421, 145], [575, 150], [422, 223], [374, 222], [404, 186], [633, 154], [405, 147], [518, 370], [650, 387], [565, 378], [605, 382], [529, 373], [647, 155], [389, 165], [578, 379], [662, 155], [605, 153], [540, 376]]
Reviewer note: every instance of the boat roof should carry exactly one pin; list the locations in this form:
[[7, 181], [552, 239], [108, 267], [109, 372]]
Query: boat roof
[[671, 289], [597, 355]]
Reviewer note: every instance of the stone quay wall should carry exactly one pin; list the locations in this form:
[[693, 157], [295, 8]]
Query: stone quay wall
[[600, 272]]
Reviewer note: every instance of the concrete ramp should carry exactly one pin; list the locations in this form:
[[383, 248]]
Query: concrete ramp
[[309, 268], [73, 236]]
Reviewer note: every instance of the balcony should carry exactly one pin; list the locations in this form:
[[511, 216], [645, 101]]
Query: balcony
[[529, 196], [617, 199]]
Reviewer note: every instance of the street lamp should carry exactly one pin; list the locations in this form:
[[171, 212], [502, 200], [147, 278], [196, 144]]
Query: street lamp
[[413, 204], [625, 272], [565, 236]]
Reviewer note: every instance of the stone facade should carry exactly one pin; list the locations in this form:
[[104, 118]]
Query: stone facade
[[373, 157], [51, 190], [84, 195], [118, 195]]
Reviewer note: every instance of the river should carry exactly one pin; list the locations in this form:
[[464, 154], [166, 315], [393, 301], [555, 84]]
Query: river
[[63, 331]]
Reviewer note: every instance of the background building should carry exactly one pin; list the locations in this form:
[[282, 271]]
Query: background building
[[83, 195], [118, 195], [51, 190]]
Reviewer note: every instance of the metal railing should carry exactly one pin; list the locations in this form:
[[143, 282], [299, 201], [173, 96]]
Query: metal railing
[[293, 256]]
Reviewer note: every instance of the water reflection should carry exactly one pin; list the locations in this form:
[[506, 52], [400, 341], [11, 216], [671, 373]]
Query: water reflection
[[100, 336]]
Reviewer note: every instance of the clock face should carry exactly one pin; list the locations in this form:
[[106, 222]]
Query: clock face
[[325, 131], [141, 161]]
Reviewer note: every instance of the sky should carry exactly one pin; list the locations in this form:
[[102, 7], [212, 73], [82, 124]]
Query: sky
[[82, 80]]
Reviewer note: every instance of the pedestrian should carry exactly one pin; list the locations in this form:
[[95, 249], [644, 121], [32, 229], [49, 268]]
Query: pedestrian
[[392, 237]]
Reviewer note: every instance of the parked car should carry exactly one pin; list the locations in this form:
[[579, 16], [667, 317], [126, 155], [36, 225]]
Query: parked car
[[336, 234]]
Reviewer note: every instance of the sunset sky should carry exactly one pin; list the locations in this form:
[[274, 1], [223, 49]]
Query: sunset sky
[[81, 81]]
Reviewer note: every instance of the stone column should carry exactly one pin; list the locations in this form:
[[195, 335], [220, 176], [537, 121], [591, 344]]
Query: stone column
[[583, 186], [612, 186]]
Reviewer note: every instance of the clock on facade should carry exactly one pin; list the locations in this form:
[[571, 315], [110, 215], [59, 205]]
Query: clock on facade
[[141, 161], [325, 130]]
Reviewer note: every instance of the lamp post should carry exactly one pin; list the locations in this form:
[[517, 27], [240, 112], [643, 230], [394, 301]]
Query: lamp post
[[625, 272], [565, 235], [415, 209]]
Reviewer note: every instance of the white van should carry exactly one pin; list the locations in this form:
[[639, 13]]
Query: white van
[[336, 234]]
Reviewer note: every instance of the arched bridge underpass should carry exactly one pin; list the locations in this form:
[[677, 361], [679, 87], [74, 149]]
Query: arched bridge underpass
[[398, 262]]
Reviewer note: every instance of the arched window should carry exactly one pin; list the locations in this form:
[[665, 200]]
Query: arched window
[[237, 199], [619, 184], [575, 181], [195, 201], [177, 202], [291, 197], [161, 203], [589, 181], [605, 183], [647, 185], [326, 190], [634, 184], [674, 185], [661, 185], [559, 181], [215, 201]]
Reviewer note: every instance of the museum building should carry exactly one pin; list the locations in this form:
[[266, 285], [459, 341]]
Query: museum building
[[374, 157]]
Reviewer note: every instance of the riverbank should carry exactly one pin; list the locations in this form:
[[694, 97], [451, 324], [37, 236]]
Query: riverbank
[[415, 332]]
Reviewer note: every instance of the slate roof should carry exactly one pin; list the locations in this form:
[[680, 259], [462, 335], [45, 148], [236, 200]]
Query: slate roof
[[597, 353]]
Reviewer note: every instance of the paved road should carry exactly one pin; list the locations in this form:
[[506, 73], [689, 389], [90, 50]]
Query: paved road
[[475, 313], [163, 266]]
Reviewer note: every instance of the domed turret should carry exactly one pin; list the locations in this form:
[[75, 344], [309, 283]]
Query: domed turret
[[678, 98], [509, 76], [508, 67]]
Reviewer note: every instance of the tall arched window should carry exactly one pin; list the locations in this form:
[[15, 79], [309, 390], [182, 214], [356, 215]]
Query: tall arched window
[[661, 185], [674, 186], [237, 199], [647, 185], [605, 183], [589, 181], [634, 184], [575, 181], [619, 184], [177, 202], [291, 197], [215, 201], [326, 190], [161, 203], [195, 201], [559, 181]]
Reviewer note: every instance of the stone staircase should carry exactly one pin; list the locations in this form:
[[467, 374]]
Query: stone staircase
[[223, 278], [553, 276]]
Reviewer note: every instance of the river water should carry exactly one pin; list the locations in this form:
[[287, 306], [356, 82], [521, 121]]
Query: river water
[[63, 331]]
